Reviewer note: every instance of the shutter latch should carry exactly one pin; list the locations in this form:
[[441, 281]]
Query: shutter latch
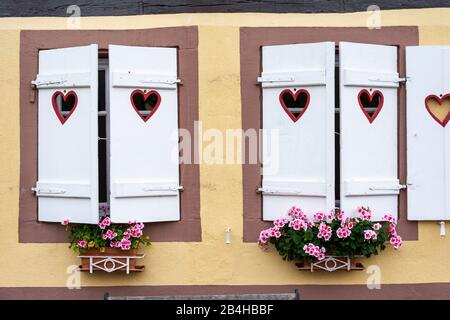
[[32, 96]]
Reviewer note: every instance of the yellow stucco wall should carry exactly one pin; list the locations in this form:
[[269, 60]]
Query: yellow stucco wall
[[211, 261]]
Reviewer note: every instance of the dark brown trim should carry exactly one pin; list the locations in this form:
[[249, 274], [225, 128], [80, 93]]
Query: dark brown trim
[[12, 8], [427, 291], [186, 40], [251, 41]]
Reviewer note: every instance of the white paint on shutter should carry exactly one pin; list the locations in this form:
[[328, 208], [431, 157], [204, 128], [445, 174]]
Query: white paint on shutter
[[144, 176], [368, 162], [67, 186], [428, 142], [301, 170]]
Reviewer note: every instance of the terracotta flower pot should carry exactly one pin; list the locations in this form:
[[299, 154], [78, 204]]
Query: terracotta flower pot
[[109, 252]]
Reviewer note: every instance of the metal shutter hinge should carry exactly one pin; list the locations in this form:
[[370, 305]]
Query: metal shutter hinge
[[37, 190], [289, 192], [275, 79], [398, 187], [179, 188], [46, 83]]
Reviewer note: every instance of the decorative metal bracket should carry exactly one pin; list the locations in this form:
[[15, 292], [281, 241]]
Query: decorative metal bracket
[[330, 264], [111, 263]]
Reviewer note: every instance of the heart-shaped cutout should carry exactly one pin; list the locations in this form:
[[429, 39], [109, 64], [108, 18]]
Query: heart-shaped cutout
[[439, 108], [64, 104], [145, 103], [294, 104], [371, 104]]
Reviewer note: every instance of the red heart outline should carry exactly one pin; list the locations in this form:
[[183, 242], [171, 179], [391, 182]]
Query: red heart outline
[[380, 105], [65, 97], [294, 96], [439, 100], [146, 95]]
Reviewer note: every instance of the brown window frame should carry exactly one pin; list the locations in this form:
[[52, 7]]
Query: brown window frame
[[252, 39], [31, 41]]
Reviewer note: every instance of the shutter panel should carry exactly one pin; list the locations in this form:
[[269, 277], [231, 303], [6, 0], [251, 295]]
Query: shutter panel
[[428, 133], [67, 186], [300, 171], [143, 172], [368, 137]]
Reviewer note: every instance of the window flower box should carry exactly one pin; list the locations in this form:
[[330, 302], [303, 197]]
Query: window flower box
[[108, 247], [112, 259], [331, 241]]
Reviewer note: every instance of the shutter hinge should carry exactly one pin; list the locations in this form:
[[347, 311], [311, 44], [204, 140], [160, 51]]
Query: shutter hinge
[[164, 81], [397, 80], [39, 191], [275, 79], [179, 188], [46, 83], [397, 187], [286, 192]]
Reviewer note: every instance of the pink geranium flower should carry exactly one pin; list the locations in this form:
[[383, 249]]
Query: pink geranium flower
[[396, 241], [390, 218], [314, 251], [319, 216], [280, 222], [368, 234], [107, 221], [109, 235], [365, 214], [65, 222], [264, 236], [82, 244], [343, 233], [377, 226], [324, 231], [125, 244]]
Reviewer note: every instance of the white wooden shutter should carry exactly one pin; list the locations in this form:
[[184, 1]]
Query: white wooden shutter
[[368, 149], [144, 176], [428, 138], [67, 186], [301, 170]]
